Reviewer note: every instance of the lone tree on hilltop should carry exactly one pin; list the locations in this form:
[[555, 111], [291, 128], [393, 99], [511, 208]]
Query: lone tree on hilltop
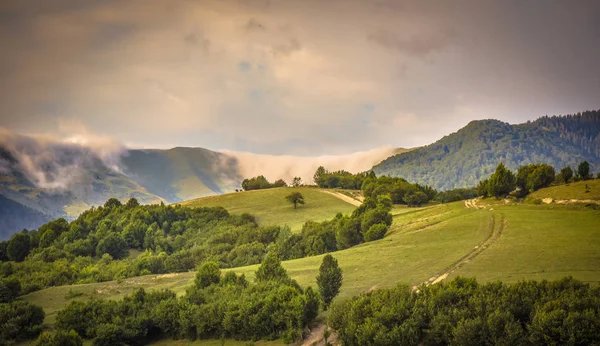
[[329, 280], [295, 198]]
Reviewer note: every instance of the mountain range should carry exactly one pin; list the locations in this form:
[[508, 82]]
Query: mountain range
[[42, 179]]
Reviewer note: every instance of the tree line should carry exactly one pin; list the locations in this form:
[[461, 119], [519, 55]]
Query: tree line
[[464, 312], [529, 178]]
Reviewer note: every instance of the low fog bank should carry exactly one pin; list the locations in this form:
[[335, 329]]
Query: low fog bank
[[61, 164], [57, 164], [287, 167]]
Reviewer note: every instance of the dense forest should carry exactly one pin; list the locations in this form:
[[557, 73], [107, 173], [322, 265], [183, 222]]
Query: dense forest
[[463, 158], [96, 246], [464, 312]]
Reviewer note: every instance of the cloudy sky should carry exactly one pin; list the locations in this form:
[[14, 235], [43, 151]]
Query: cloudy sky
[[295, 77]]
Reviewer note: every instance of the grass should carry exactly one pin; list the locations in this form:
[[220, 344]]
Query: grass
[[571, 191], [528, 242], [541, 242], [270, 208], [420, 243]]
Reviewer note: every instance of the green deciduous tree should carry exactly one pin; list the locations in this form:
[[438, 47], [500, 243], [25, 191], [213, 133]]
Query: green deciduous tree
[[567, 174], [271, 269], [502, 182], [376, 232], [208, 274], [18, 247], [114, 245], [583, 171], [295, 198], [329, 280], [59, 338]]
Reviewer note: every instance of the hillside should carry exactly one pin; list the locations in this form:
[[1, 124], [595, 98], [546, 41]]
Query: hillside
[[463, 158], [270, 208], [14, 216], [180, 174], [573, 191], [488, 239]]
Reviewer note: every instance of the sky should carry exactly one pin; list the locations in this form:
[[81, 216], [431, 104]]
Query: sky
[[291, 77]]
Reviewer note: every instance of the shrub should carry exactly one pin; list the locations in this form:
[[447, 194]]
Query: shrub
[[59, 338], [376, 232]]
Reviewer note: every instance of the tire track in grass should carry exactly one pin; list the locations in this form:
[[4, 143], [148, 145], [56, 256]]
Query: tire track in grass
[[497, 223]]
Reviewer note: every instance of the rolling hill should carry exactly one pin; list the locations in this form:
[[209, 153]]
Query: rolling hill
[[463, 158], [489, 239], [270, 208]]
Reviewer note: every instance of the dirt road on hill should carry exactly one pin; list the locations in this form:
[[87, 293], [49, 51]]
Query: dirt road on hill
[[497, 224], [344, 198]]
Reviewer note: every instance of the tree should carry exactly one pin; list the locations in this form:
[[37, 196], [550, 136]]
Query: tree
[[319, 175], [208, 274], [114, 245], [132, 203], [59, 338], [567, 174], [295, 198], [279, 183], [583, 171], [376, 232], [415, 199], [482, 188], [297, 182], [112, 203], [271, 269], [533, 177], [18, 247], [502, 182], [329, 280], [6, 294]]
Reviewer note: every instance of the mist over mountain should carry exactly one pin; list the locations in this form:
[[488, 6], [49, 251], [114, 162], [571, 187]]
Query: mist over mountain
[[45, 178], [463, 158]]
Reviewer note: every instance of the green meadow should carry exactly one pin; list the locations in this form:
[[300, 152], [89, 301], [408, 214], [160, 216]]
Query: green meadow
[[498, 241], [270, 208]]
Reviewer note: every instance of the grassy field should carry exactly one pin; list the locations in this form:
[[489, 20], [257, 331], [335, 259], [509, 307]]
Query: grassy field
[[508, 242], [571, 191], [270, 208], [541, 242]]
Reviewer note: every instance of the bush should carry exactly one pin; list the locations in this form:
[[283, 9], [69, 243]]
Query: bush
[[208, 274], [376, 232], [20, 320], [59, 338]]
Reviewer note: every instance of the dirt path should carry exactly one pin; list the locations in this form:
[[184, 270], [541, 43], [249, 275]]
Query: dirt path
[[315, 338], [344, 198], [569, 201], [472, 204], [496, 225]]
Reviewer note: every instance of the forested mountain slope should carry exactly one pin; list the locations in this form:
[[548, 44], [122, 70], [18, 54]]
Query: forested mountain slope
[[463, 158]]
